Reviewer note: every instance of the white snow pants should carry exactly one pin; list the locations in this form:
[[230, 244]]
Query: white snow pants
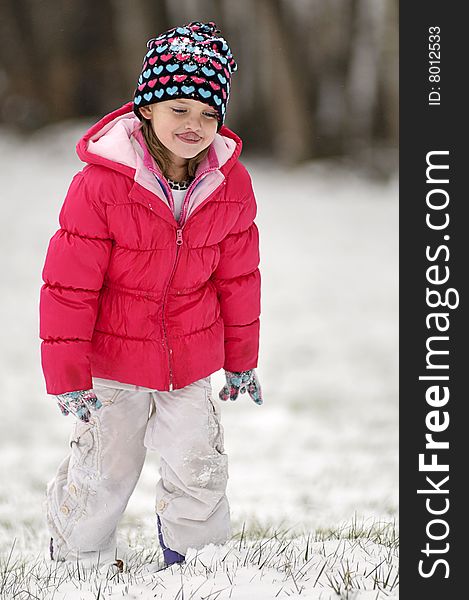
[[87, 497]]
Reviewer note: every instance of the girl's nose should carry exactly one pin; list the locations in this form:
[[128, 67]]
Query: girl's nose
[[194, 122]]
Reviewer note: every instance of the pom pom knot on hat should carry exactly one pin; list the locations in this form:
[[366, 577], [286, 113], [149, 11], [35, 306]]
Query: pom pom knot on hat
[[192, 61]]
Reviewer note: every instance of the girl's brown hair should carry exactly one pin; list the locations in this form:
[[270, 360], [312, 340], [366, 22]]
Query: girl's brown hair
[[161, 154]]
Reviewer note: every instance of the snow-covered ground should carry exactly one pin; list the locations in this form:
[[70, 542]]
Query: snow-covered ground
[[322, 450]]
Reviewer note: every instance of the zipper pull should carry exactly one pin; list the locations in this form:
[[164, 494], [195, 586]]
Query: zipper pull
[[179, 237]]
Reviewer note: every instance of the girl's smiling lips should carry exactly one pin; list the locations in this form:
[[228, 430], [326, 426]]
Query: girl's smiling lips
[[189, 137]]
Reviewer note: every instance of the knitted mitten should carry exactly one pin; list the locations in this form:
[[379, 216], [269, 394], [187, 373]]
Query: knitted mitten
[[241, 381], [79, 404]]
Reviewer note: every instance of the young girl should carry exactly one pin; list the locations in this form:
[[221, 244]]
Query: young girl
[[151, 284]]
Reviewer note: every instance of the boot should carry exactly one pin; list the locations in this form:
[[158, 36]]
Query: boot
[[170, 556]]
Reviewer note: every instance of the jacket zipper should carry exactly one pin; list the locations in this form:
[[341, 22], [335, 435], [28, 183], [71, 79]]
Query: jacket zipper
[[165, 333], [179, 242]]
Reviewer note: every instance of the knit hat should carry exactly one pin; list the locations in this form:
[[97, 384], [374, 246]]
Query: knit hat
[[192, 61]]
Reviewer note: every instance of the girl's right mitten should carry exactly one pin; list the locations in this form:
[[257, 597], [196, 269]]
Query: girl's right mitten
[[79, 404]]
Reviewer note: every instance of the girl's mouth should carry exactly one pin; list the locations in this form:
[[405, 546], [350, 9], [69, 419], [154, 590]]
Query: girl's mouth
[[189, 138]]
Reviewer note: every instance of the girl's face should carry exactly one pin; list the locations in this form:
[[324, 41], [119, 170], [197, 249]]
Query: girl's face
[[184, 126]]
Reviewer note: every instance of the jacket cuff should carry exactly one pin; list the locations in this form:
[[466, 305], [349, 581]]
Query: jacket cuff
[[66, 366], [241, 346]]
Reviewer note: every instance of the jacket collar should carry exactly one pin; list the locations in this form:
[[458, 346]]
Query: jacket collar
[[116, 142]]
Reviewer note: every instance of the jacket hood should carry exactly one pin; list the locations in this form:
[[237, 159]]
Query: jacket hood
[[110, 143]]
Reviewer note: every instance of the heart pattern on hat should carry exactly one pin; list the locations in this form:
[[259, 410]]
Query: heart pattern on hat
[[192, 60], [188, 89], [208, 72]]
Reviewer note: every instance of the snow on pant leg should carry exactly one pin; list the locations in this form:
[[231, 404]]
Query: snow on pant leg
[[92, 487], [191, 494]]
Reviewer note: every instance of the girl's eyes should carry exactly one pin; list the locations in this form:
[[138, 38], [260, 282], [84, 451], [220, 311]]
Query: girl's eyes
[[180, 111]]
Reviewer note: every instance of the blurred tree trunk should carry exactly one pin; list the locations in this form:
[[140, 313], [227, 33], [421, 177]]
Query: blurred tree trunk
[[285, 100], [135, 23], [372, 98], [92, 52], [21, 78], [387, 119], [361, 79], [332, 39]]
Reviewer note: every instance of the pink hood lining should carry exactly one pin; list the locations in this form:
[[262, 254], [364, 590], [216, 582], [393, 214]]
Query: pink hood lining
[[119, 142]]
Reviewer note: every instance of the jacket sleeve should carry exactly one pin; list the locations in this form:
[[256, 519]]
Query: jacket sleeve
[[238, 282], [76, 261]]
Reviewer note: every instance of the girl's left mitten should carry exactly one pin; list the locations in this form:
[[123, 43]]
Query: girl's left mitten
[[241, 382], [79, 403]]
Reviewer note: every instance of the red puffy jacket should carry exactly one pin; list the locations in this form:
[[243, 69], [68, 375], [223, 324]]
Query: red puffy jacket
[[132, 295]]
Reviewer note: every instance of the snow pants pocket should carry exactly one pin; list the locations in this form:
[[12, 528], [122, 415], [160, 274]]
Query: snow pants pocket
[[84, 447], [215, 428]]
